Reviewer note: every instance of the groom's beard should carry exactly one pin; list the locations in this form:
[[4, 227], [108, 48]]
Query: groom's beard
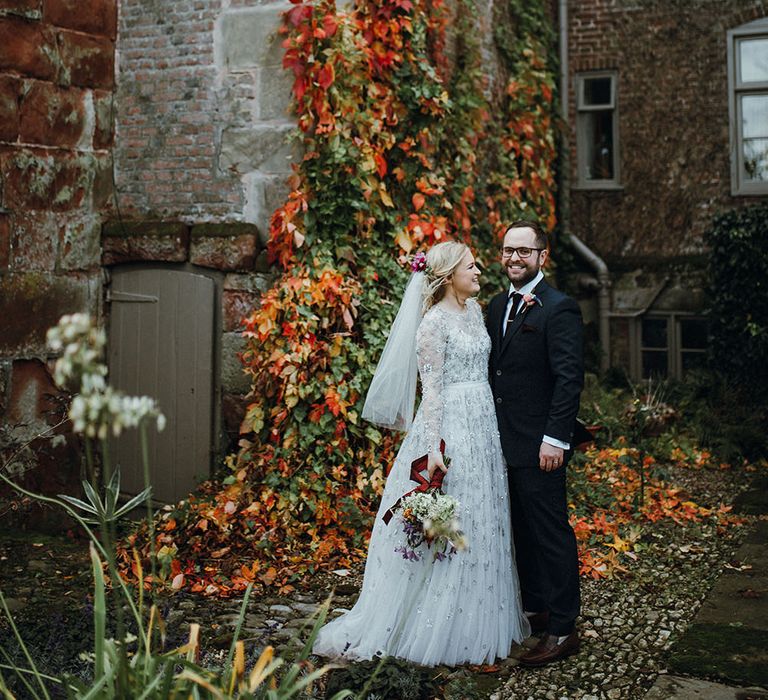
[[520, 281]]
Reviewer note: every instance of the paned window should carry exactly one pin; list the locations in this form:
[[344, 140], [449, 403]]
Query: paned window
[[748, 106], [597, 134], [669, 345]]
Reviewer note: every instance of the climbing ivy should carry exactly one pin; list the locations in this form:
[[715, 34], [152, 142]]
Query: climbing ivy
[[405, 145]]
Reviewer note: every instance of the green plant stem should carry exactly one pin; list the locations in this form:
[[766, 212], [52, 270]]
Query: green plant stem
[[90, 464], [228, 670], [107, 529], [23, 646], [29, 671], [96, 542], [106, 466], [150, 515]]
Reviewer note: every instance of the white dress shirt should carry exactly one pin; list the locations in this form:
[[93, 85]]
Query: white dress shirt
[[528, 288]]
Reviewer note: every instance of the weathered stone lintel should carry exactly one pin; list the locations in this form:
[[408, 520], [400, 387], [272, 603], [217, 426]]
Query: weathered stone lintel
[[220, 253], [209, 230], [229, 246]]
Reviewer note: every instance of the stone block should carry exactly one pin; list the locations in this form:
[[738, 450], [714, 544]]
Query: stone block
[[102, 191], [90, 16], [5, 242], [21, 8], [233, 379], [263, 147], [79, 243], [248, 38], [255, 283], [27, 48], [46, 179], [274, 92], [237, 305], [227, 229], [133, 241], [31, 392], [87, 61], [34, 241], [276, 191], [233, 407], [225, 253], [10, 90], [104, 129], [32, 302], [263, 195], [52, 116], [152, 229]]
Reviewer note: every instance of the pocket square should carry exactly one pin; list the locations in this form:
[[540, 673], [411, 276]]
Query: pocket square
[[529, 329]]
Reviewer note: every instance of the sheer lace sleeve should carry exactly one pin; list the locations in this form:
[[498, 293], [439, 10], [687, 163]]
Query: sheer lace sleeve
[[476, 310], [431, 340]]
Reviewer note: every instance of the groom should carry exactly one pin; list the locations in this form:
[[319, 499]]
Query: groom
[[536, 374]]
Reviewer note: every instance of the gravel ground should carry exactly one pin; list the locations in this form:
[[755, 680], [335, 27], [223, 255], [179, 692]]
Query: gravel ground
[[627, 625]]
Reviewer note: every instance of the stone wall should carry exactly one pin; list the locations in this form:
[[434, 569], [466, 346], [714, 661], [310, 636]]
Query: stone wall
[[201, 156], [56, 86]]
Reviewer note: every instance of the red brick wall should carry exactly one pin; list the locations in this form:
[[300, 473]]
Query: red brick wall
[[170, 114], [56, 82], [673, 122]]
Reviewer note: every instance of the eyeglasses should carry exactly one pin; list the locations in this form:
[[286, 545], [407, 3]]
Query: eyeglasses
[[522, 252]]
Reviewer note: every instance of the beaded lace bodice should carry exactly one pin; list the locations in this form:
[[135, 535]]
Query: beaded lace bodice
[[451, 348]]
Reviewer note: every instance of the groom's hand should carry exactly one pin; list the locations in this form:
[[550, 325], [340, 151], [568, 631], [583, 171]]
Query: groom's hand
[[550, 457]]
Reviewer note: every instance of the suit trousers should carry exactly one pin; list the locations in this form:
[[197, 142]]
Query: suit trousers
[[545, 545]]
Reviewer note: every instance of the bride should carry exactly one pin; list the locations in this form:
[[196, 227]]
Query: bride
[[465, 609]]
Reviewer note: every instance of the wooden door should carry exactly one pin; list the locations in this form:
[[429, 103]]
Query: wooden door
[[161, 344]]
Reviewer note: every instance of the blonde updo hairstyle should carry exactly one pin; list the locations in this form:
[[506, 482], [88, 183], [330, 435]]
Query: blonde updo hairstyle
[[442, 261]]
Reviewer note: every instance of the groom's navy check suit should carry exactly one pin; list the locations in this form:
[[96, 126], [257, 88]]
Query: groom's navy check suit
[[536, 373]]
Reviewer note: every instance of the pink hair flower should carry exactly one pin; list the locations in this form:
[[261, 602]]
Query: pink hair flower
[[419, 262]]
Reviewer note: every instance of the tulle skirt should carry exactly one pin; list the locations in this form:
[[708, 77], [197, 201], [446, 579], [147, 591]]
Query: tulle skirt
[[465, 609]]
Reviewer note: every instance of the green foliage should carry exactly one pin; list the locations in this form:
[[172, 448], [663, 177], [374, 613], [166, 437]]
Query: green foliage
[[738, 294], [386, 679], [721, 415]]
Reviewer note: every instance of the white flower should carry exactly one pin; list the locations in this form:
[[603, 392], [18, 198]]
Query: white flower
[[98, 408]]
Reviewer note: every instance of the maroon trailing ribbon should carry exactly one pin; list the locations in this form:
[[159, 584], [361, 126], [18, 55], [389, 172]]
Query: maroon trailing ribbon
[[417, 466]]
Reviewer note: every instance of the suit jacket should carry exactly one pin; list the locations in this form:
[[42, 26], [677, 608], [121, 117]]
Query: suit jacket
[[536, 372]]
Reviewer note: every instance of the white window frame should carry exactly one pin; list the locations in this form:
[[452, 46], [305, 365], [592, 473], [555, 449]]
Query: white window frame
[[583, 109], [751, 30]]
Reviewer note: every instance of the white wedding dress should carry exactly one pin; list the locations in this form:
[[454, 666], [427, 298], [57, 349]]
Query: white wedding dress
[[466, 609]]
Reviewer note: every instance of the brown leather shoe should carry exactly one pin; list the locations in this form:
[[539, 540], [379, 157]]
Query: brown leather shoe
[[548, 650], [539, 622]]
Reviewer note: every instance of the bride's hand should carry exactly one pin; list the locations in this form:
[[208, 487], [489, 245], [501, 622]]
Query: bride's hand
[[435, 462]]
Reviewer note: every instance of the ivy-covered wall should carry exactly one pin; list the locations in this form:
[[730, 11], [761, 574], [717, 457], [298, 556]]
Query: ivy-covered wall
[[409, 136]]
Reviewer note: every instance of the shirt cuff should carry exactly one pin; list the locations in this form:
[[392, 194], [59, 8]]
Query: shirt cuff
[[556, 443]]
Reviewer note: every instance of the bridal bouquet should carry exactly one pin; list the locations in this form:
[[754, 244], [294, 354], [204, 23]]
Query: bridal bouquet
[[428, 515], [430, 518]]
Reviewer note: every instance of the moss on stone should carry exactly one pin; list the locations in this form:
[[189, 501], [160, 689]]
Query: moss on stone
[[734, 653]]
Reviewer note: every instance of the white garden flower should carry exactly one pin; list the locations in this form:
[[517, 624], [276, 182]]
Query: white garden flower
[[97, 409]]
